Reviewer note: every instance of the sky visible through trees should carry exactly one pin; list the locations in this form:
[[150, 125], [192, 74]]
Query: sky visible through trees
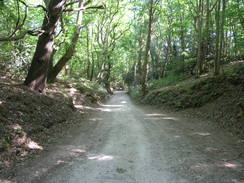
[[114, 41]]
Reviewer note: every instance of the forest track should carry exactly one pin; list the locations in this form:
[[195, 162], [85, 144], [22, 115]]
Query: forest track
[[125, 143]]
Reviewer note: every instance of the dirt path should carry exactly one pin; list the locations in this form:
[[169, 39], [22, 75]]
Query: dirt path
[[126, 143]]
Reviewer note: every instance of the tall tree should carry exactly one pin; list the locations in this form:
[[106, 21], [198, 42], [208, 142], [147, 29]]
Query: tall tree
[[37, 75], [54, 71], [151, 11], [220, 22]]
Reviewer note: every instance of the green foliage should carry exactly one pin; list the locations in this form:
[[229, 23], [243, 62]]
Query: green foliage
[[241, 102], [117, 35], [135, 92], [93, 90], [16, 56], [239, 69], [170, 80], [177, 66], [195, 94]]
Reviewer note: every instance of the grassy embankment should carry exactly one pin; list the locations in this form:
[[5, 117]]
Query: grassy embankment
[[219, 98]]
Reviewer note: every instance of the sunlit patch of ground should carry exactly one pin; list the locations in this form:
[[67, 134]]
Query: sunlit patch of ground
[[68, 155], [19, 144], [201, 133], [20, 138], [212, 149], [231, 165], [29, 120], [154, 114], [237, 181], [177, 136], [158, 117], [5, 181], [103, 108], [95, 119], [112, 106], [101, 157]]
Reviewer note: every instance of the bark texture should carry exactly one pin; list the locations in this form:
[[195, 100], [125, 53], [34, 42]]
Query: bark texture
[[37, 74], [146, 56]]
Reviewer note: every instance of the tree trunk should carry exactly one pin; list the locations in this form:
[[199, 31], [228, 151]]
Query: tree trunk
[[88, 55], [206, 34], [52, 75], [37, 74], [222, 31], [217, 59], [107, 79], [65, 58], [220, 22], [92, 66], [138, 68], [146, 56], [200, 38], [155, 62]]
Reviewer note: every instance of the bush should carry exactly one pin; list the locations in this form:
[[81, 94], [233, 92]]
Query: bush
[[239, 69], [135, 92], [171, 79]]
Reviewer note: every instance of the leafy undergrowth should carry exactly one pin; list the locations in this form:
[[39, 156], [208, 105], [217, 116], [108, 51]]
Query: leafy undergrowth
[[172, 79], [219, 98], [29, 119]]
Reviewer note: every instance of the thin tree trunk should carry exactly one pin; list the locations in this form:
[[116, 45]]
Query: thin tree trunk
[[139, 64], [92, 66], [206, 33], [107, 77], [134, 68], [70, 51], [222, 32], [88, 55], [200, 39], [217, 49], [65, 58], [146, 56], [220, 22]]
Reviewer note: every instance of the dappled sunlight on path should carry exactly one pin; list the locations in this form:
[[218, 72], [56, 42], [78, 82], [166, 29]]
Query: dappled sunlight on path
[[123, 142]]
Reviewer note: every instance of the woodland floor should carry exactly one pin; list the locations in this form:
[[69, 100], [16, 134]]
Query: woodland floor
[[120, 141], [29, 121], [67, 135]]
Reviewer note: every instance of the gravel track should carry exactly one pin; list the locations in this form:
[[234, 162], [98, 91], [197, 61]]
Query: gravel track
[[126, 143]]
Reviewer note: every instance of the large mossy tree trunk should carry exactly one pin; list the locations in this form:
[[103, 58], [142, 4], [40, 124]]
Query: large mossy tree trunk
[[37, 74]]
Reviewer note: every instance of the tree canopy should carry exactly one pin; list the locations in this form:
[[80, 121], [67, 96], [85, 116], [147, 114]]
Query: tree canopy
[[116, 42]]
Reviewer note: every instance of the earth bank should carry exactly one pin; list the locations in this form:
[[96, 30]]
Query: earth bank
[[29, 120], [219, 99]]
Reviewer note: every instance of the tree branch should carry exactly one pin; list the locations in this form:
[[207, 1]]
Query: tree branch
[[71, 3], [19, 26], [74, 2], [21, 36], [84, 8], [214, 5], [32, 6]]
